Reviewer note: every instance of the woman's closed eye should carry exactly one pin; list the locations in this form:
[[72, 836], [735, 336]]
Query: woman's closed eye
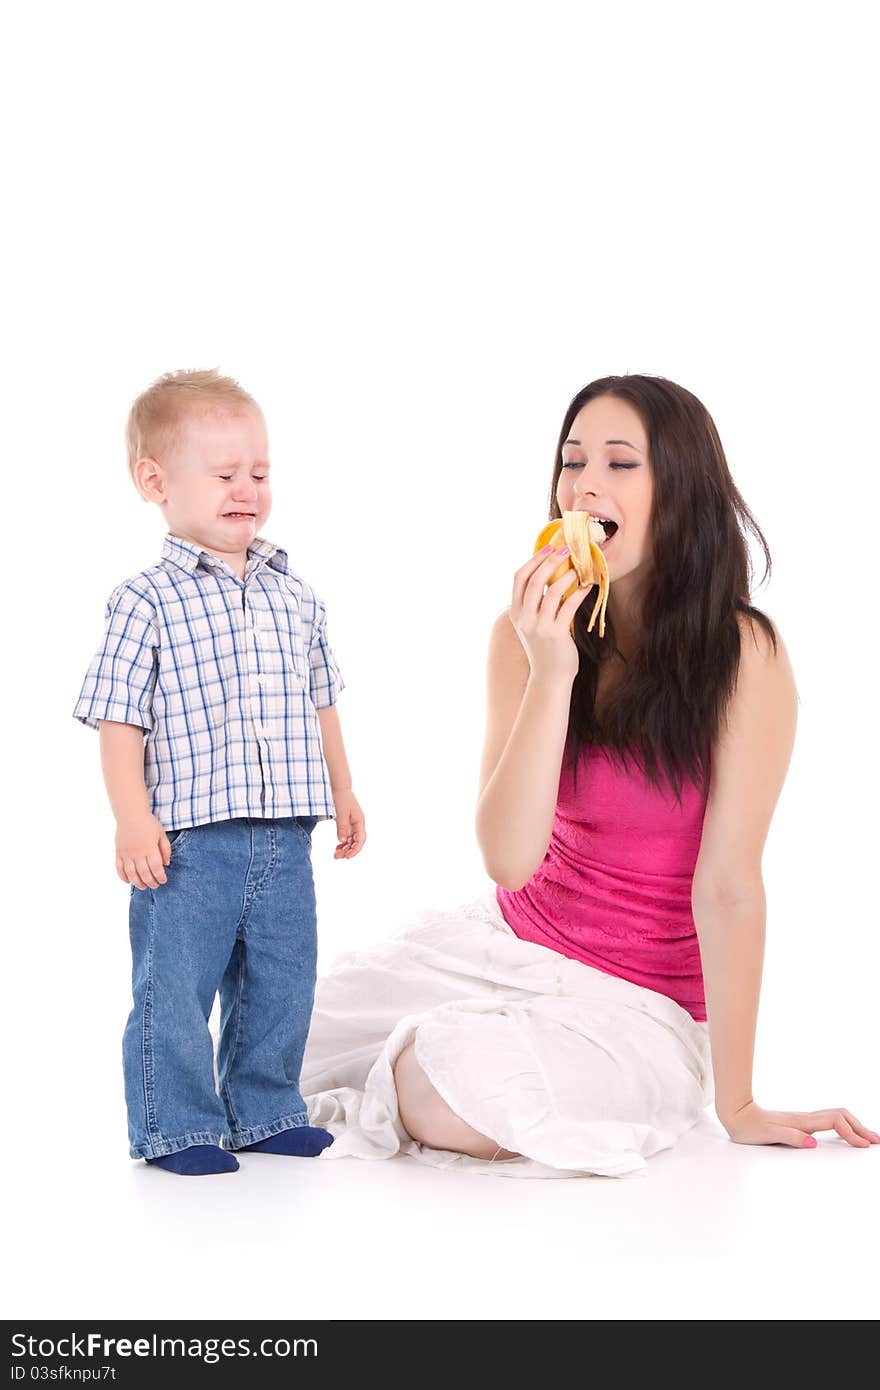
[[576, 463]]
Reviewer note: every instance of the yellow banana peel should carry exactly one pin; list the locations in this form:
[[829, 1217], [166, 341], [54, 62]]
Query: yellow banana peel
[[585, 559]]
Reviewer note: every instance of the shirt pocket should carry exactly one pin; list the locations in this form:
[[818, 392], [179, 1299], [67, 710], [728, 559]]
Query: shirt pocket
[[293, 653], [222, 654]]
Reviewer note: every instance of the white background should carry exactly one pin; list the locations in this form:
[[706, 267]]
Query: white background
[[413, 233]]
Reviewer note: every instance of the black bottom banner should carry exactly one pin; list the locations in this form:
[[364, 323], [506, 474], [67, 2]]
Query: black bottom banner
[[194, 1353], [275, 1352]]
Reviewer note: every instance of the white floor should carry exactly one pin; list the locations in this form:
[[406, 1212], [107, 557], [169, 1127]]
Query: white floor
[[711, 1230]]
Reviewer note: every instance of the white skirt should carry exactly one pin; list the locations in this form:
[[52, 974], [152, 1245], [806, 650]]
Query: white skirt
[[574, 1070]]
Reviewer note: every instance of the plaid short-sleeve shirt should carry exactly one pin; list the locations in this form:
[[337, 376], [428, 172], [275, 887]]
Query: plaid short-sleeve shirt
[[225, 677]]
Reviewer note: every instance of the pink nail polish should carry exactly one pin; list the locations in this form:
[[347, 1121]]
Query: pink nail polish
[[564, 551], [810, 1143]]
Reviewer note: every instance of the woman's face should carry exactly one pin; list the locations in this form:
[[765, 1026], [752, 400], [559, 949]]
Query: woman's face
[[606, 471]]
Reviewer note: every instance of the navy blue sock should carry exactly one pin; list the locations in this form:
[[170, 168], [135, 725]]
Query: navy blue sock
[[303, 1142], [198, 1159]]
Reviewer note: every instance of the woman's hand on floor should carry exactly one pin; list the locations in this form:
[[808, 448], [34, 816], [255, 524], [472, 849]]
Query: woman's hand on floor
[[752, 1125]]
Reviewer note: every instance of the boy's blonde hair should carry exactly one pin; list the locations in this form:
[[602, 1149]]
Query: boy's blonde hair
[[156, 414]]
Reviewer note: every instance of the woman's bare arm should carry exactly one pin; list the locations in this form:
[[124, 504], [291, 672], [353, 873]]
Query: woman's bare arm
[[526, 724], [533, 661], [749, 764], [750, 761]]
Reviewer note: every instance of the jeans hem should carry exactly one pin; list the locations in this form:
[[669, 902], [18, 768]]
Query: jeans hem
[[240, 1138], [160, 1148]]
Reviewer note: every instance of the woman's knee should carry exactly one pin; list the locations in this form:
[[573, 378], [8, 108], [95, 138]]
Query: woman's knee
[[427, 1118]]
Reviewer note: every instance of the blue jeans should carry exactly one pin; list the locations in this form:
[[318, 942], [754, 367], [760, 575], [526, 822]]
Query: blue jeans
[[237, 914]]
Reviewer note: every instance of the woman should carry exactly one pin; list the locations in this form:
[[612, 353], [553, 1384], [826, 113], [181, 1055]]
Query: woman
[[558, 1026]]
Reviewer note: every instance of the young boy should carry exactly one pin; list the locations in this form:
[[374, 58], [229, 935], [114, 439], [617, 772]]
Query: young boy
[[214, 694]]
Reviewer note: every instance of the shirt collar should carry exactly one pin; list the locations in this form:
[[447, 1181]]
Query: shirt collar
[[191, 557]]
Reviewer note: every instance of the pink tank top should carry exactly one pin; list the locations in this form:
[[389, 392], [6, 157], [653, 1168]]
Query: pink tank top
[[614, 888]]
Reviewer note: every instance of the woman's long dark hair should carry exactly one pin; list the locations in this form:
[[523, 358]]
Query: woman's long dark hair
[[666, 708]]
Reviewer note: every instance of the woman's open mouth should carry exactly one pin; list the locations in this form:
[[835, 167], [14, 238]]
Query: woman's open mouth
[[610, 529]]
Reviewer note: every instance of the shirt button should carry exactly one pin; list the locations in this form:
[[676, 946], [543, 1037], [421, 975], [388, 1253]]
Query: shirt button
[[261, 680]]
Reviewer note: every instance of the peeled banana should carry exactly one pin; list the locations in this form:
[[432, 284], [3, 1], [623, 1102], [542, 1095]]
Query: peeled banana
[[584, 557]]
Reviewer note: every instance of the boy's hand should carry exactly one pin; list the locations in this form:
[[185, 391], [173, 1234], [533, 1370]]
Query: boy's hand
[[350, 830], [142, 852]]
